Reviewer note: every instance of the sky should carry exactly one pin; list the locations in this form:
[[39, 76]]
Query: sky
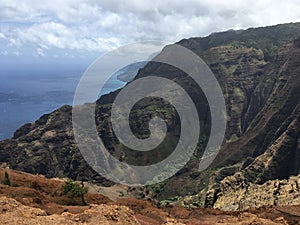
[[80, 30]]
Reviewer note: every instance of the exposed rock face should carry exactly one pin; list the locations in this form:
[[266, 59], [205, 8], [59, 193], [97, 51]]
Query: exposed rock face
[[13, 212], [237, 194], [258, 71]]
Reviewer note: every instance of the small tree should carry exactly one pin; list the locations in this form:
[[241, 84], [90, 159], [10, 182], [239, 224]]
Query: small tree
[[74, 190], [6, 180]]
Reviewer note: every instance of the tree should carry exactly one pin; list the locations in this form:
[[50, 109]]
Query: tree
[[6, 180], [74, 190]]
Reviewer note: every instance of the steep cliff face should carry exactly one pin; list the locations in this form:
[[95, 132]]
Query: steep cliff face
[[279, 91], [258, 71], [238, 69], [268, 149]]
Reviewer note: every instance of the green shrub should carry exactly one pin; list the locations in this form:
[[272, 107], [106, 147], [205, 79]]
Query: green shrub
[[233, 138], [6, 180], [74, 190]]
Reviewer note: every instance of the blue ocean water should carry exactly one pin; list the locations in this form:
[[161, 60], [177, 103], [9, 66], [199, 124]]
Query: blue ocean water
[[24, 97]]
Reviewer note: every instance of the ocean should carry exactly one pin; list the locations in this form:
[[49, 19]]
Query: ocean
[[24, 97]]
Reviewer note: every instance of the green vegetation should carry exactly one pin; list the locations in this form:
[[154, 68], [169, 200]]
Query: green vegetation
[[6, 180], [168, 201], [268, 39], [233, 138], [74, 190], [157, 188]]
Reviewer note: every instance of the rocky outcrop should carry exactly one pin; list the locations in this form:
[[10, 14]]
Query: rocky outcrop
[[237, 194]]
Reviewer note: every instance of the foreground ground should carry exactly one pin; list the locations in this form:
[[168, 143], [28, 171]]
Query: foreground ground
[[33, 199]]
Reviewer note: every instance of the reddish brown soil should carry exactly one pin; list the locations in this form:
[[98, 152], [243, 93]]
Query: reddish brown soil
[[39, 192]]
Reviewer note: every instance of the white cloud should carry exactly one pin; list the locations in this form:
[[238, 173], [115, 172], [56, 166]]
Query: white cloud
[[2, 36], [97, 26], [51, 34], [40, 52]]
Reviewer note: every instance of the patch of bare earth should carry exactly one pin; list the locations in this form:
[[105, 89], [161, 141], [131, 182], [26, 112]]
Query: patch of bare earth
[[34, 199]]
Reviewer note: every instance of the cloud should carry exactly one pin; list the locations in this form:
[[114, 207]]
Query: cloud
[[56, 35], [98, 26], [2, 36], [40, 52]]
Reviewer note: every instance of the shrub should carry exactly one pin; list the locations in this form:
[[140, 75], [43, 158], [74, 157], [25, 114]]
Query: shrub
[[74, 190], [6, 180]]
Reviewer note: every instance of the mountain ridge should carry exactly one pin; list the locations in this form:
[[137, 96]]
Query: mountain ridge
[[258, 72]]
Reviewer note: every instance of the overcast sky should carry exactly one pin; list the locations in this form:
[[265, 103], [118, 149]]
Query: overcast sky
[[73, 28]]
